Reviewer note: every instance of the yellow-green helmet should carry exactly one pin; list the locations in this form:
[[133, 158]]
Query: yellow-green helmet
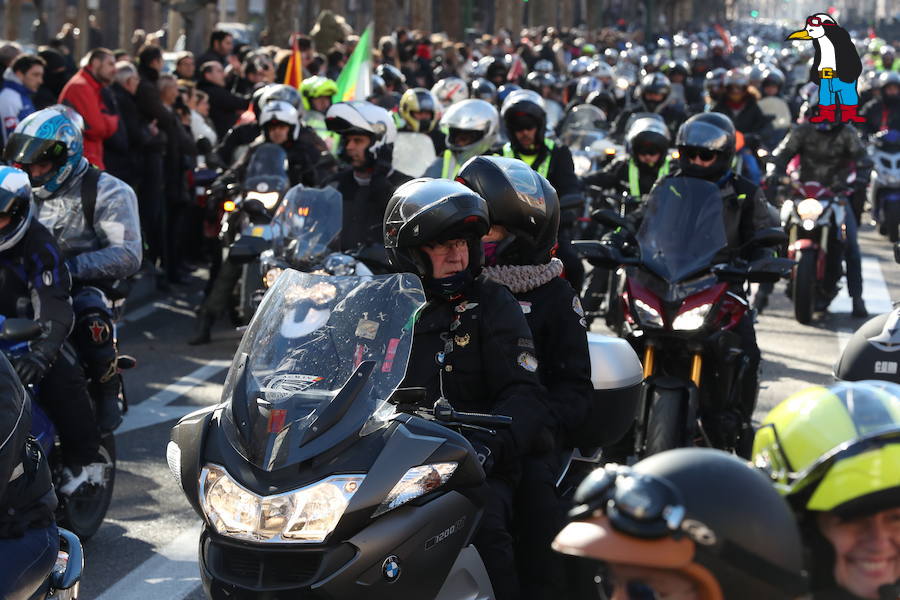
[[317, 87], [835, 449]]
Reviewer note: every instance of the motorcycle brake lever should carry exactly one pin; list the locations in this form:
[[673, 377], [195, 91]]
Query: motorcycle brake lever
[[470, 426]]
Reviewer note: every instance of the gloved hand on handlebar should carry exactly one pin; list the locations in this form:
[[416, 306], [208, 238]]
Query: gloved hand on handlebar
[[489, 449], [32, 366]]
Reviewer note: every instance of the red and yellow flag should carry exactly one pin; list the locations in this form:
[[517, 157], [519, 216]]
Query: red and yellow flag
[[294, 75]]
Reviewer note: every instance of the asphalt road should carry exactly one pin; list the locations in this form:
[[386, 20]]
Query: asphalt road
[[147, 547]]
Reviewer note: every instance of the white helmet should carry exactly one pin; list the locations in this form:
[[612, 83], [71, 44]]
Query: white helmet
[[472, 115], [450, 91], [368, 119], [282, 112], [15, 203]]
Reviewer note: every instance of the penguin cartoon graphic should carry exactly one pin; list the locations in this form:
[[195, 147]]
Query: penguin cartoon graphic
[[835, 69]]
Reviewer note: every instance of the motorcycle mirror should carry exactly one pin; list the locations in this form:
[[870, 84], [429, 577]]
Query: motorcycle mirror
[[771, 236], [20, 330], [610, 219], [412, 396], [598, 253], [769, 269], [897, 252], [246, 249]]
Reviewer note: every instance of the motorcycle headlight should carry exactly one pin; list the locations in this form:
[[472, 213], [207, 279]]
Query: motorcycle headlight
[[173, 457], [268, 199], [692, 319], [416, 482], [582, 164], [647, 315], [306, 515], [810, 209], [271, 276], [808, 224]]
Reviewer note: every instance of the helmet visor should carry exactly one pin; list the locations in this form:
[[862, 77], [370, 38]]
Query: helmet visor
[[867, 469], [26, 150]]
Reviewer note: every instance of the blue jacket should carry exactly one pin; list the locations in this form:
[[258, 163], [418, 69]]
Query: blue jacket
[[15, 103]]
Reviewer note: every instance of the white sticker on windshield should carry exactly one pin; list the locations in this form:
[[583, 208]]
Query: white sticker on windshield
[[292, 382], [312, 320]]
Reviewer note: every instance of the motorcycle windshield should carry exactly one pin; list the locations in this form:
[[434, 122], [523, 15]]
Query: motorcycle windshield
[[317, 364], [683, 228], [308, 224], [267, 170], [584, 126]]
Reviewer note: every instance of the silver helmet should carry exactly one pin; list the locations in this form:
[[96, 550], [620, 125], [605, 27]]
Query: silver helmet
[[469, 117]]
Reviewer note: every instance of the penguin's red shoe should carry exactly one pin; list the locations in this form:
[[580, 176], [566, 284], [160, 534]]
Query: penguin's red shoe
[[848, 115], [826, 114]]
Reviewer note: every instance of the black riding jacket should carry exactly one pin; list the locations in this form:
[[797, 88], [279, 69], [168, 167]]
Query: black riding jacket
[[477, 346], [36, 285]]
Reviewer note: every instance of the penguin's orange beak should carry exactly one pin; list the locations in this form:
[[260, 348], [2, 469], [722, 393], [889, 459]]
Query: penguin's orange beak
[[800, 35]]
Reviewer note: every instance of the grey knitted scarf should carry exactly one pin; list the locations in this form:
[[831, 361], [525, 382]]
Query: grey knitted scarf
[[524, 278]]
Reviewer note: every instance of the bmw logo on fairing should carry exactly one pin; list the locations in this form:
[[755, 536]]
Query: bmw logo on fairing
[[391, 568]]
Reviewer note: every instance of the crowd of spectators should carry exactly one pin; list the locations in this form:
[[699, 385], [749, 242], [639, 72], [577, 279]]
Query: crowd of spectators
[[152, 124]]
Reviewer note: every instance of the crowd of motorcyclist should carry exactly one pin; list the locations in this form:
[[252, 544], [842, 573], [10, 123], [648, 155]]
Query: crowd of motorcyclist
[[489, 233]]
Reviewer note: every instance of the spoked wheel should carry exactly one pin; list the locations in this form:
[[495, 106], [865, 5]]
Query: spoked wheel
[[83, 512]]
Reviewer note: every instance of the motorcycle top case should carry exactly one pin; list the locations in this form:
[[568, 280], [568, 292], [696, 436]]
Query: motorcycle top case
[[616, 376]]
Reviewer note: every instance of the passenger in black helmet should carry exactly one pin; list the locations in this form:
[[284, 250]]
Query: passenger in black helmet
[[691, 523], [471, 345], [524, 213], [525, 119]]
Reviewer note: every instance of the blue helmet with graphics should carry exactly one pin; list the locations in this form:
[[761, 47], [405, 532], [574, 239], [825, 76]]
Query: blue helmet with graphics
[[49, 140], [15, 206]]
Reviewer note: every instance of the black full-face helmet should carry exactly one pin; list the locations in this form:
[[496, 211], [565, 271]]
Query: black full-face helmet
[[430, 211], [707, 135], [519, 199]]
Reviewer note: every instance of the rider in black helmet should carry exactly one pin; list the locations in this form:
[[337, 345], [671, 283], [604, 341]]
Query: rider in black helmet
[[524, 213], [471, 344], [706, 146]]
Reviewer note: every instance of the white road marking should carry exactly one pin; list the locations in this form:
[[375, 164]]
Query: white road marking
[[875, 291], [148, 309], [170, 574], [156, 409]]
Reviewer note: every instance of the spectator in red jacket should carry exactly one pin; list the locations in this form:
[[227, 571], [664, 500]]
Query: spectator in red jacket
[[85, 93]]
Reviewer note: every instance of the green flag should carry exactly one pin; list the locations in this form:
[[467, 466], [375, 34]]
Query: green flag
[[355, 80]]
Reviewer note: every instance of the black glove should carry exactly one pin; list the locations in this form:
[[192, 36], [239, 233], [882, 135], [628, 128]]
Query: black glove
[[383, 160], [32, 367], [489, 448]]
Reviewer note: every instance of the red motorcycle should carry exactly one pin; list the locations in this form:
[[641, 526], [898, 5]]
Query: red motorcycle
[[815, 222], [681, 299]]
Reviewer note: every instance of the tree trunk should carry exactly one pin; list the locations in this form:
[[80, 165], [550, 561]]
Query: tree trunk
[[12, 14], [421, 14], [383, 18], [451, 19], [126, 24], [84, 27], [242, 12], [280, 21]]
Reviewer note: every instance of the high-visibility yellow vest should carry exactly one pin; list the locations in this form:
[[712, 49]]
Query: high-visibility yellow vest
[[529, 159], [634, 183]]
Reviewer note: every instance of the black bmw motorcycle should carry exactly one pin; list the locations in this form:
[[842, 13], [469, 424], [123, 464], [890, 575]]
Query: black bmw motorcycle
[[316, 477]]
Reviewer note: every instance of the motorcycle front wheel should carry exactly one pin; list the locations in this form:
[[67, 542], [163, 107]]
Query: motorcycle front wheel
[[805, 286], [665, 421]]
